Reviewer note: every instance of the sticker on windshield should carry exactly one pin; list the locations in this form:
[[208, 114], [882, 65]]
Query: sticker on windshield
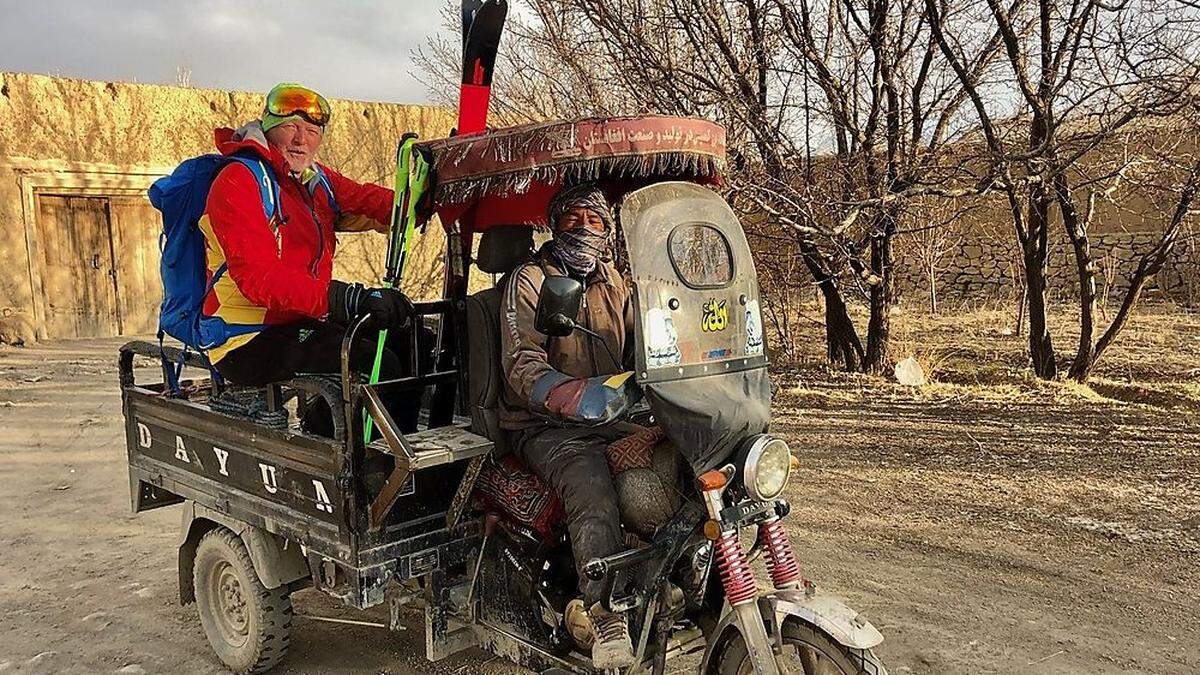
[[716, 316], [754, 331], [662, 340]]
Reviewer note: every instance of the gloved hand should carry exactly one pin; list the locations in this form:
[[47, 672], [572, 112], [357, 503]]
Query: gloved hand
[[563, 400], [595, 400], [389, 308]]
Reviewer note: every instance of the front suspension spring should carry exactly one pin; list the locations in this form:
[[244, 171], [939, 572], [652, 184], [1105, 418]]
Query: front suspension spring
[[736, 575], [781, 559]]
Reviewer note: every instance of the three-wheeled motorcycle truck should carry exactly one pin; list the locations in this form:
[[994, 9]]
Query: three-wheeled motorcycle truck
[[432, 510]]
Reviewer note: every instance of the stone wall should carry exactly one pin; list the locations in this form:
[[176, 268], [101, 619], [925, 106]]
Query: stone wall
[[984, 264], [89, 137]]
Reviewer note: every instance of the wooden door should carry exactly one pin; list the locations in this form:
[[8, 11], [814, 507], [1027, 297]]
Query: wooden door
[[78, 276], [135, 228]]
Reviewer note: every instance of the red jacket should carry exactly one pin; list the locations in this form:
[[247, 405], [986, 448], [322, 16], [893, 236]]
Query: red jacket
[[279, 271]]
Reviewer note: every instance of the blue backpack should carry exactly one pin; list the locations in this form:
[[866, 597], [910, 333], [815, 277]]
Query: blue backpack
[[181, 197]]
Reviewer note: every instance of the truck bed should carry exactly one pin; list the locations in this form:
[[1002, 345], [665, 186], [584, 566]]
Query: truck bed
[[302, 487]]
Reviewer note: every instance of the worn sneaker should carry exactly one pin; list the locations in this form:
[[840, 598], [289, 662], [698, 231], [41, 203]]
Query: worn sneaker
[[579, 624], [612, 648]]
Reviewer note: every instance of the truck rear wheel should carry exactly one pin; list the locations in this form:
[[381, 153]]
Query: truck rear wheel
[[247, 625]]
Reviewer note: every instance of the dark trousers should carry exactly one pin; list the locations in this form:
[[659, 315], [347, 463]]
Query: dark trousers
[[572, 462], [309, 346]]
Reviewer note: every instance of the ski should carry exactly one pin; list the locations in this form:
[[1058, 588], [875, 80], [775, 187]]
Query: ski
[[480, 44], [469, 8]]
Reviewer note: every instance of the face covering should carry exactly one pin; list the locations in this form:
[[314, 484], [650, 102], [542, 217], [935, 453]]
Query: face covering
[[580, 249]]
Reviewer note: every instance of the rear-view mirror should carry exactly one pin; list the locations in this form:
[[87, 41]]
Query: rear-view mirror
[[558, 305]]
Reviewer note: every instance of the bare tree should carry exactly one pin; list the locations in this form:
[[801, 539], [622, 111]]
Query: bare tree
[[1077, 77], [838, 113], [932, 236], [1178, 175]]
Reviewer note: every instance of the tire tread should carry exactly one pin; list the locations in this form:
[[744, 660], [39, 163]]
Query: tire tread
[[273, 607]]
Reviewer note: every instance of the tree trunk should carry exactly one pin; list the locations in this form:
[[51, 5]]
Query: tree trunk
[[1149, 265], [1041, 346], [841, 338], [1086, 355], [843, 346], [1020, 327], [932, 290], [882, 292], [1035, 249], [1085, 269]]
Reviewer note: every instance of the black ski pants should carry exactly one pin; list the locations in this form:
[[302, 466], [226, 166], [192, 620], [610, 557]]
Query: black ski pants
[[309, 346], [572, 462]]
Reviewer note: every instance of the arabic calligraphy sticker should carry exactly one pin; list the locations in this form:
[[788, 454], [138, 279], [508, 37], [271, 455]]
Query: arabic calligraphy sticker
[[716, 316]]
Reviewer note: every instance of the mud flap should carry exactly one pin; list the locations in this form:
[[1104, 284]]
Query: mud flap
[[277, 561], [825, 612]]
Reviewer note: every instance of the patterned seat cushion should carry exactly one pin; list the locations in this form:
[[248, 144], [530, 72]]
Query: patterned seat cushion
[[505, 486], [634, 451]]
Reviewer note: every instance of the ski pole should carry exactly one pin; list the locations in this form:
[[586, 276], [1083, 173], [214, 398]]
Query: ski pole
[[412, 174]]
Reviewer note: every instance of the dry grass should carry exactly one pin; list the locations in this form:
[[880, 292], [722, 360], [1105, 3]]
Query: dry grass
[[973, 352]]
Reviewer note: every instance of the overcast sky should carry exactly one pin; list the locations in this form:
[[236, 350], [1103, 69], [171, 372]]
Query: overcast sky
[[359, 49]]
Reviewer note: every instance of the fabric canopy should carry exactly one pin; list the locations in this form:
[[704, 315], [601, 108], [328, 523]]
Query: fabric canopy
[[507, 176]]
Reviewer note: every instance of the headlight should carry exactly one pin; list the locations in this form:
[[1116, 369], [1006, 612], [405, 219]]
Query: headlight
[[768, 465]]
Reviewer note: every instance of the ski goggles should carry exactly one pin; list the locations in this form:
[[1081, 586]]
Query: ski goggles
[[287, 100]]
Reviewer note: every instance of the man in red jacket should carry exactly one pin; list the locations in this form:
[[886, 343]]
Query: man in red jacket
[[277, 274]]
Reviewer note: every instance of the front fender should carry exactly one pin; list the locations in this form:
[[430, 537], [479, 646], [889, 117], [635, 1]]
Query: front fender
[[824, 612], [830, 614]]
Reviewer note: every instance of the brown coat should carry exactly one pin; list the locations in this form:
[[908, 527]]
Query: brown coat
[[527, 355]]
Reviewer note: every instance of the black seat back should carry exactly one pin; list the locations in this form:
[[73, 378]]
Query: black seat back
[[501, 250]]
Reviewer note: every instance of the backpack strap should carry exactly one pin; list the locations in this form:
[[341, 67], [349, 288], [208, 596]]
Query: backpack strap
[[268, 187], [321, 179], [170, 372]]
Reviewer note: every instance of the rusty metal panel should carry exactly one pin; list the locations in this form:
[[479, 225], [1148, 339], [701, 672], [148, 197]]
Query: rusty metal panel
[[181, 441]]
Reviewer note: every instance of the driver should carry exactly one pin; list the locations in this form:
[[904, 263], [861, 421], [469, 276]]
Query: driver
[[545, 378]]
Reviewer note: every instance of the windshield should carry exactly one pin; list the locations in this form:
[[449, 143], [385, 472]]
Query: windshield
[[700, 255], [700, 355], [696, 291]]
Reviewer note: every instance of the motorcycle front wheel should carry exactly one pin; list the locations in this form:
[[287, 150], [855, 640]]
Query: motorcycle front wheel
[[806, 651]]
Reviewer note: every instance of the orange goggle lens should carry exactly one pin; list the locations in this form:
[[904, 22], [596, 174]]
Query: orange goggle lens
[[299, 101]]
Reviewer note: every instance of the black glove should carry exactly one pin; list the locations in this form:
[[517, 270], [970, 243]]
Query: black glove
[[389, 308]]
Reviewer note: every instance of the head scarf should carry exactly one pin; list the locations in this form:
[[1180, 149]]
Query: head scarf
[[580, 248], [270, 121]]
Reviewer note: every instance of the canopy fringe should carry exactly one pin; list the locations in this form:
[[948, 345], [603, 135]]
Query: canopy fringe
[[677, 165], [510, 161]]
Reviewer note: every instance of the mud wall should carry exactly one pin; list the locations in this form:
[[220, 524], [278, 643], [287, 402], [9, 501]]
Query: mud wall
[[80, 136], [983, 265]]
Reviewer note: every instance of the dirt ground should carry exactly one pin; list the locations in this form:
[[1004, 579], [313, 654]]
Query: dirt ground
[[985, 523]]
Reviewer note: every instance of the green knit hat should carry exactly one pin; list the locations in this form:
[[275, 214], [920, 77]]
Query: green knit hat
[[290, 101]]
